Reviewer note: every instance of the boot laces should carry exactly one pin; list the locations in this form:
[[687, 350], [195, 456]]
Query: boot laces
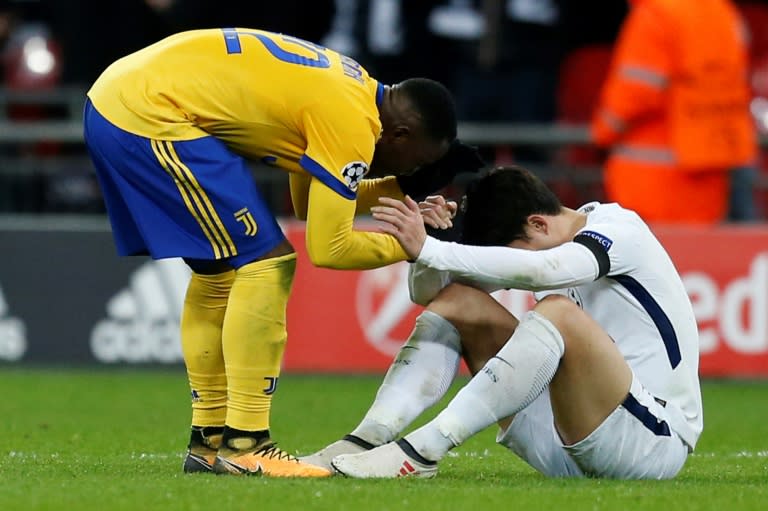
[[272, 451]]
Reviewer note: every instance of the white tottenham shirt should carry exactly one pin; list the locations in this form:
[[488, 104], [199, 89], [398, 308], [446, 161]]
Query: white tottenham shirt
[[617, 272]]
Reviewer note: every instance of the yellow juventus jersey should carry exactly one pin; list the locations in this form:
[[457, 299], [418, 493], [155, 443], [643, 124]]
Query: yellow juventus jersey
[[270, 97]]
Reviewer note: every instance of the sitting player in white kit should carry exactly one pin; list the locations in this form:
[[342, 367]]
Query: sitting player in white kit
[[600, 379]]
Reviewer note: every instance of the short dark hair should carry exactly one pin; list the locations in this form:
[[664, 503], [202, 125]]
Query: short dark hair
[[496, 206], [434, 103]]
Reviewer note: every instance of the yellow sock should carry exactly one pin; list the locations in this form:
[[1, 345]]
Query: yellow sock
[[202, 320], [254, 339]]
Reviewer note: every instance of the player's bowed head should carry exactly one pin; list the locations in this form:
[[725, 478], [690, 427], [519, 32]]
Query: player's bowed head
[[418, 138]]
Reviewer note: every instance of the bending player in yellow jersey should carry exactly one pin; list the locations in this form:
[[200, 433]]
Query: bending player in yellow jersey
[[169, 129]]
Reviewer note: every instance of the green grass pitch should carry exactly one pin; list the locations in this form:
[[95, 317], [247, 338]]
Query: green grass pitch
[[113, 440]]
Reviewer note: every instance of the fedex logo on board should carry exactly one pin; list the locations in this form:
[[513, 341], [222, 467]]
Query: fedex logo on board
[[732, 313]]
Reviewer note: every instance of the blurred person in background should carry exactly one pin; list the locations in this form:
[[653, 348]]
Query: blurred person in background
[[119, 27], [8, 18], [170, 129], [674, 110], [509, 62], [394, 39], [511, 74], [306, 20], [93, 33], [508, 67], [744, 207], [30, 66]]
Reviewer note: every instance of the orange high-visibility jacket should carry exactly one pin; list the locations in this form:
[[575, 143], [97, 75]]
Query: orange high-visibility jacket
[[674, 110]]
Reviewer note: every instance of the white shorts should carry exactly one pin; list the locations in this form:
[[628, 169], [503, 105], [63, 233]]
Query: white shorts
[[633, 442]]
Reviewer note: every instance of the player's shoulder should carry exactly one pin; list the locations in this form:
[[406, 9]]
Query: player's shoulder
[[618, 233], [611, 225], [610, 214]]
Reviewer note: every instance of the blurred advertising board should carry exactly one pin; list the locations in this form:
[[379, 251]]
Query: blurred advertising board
[[66, 299]]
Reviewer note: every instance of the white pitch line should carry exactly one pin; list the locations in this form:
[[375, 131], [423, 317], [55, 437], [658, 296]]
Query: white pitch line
[[21, 455]]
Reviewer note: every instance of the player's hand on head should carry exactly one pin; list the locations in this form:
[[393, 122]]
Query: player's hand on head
[[437, 212], [403, 220]]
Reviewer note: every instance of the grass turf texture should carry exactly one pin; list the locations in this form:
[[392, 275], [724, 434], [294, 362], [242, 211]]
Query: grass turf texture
[[114, 440]]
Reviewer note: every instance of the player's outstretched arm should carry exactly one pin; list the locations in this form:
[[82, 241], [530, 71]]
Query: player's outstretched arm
[[402, 220], [332, 241]]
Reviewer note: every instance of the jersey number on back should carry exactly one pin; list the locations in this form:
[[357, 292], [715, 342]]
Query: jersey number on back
[[270, 42]]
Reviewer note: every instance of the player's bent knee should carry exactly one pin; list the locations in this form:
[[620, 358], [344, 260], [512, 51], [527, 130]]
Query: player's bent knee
[[483, 323], [459, 303], [557, 303], [561, 311]]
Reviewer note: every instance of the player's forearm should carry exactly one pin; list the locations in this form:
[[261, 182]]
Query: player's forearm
[[354, 250], [332, 241], [504, 267], [370, 190]]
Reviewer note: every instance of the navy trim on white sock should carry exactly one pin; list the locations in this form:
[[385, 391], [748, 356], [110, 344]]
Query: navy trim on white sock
[[406, 446], [359, 442]]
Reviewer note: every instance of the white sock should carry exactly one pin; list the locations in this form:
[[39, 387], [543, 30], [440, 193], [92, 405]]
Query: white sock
[[508, 382], [418, 378]]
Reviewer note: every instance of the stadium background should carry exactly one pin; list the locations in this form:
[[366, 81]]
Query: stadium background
[[66, 300]]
